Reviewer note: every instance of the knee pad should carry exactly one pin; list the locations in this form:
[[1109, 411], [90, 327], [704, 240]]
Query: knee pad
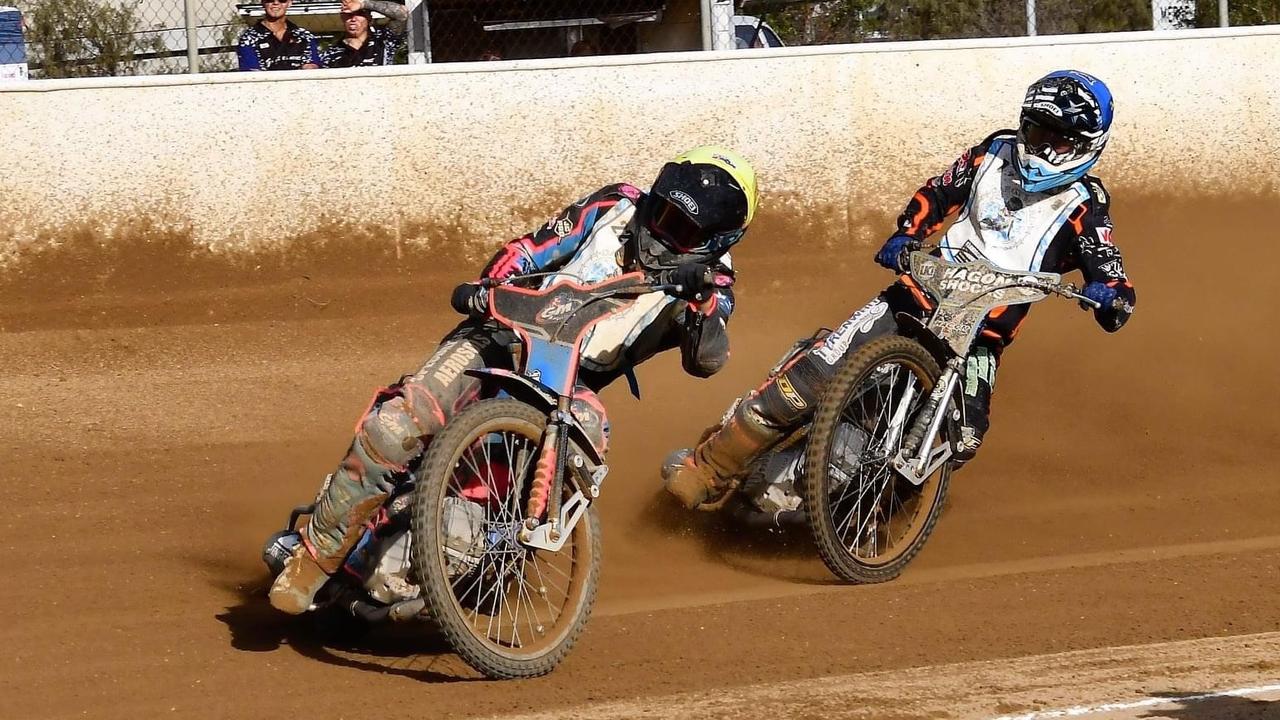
[[788, 398], [390, 434]]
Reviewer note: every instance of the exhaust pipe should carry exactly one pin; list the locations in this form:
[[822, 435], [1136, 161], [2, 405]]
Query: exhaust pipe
[[399, 612]]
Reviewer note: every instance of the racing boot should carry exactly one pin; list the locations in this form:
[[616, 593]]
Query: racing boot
[[295, 588], [722, 455], [966, 446], [348, 499]]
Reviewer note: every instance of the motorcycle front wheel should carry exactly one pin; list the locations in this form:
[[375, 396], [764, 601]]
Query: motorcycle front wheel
[[508, 610], [867, 520]]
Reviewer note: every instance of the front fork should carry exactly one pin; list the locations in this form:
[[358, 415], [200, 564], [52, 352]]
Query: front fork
[[918, 458], [548, 486]]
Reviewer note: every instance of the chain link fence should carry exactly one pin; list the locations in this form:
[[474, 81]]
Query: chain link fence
[[71, 38], [810, 22]]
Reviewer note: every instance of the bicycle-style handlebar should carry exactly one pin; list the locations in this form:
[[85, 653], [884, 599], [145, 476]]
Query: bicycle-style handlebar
[[478, 302], [1066, 290]]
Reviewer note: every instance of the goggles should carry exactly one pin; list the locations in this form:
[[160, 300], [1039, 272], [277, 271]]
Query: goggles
[[671, 226], [1049, 144]]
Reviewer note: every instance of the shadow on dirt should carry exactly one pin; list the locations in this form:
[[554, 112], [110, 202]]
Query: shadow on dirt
[[411, 650], [1197, 707], [748, 542]]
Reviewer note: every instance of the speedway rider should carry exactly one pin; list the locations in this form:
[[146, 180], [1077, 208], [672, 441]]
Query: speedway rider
[[1024, 203], [699, 206]]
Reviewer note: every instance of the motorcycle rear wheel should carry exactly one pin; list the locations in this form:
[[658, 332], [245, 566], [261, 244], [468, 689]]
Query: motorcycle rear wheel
[[868, 521], [509, 611]]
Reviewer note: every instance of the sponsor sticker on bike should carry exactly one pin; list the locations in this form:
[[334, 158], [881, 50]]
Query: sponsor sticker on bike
[[835, 345], [559, 308]]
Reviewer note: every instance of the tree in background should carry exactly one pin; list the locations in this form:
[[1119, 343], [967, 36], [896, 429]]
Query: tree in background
[[838, 21], [84, 38], [1239, 12], [1060, 17]]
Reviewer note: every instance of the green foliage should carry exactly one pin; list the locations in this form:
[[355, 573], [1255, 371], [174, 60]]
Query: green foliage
[[84, 38], [1056, 17], [839, 21], [1239, 12]]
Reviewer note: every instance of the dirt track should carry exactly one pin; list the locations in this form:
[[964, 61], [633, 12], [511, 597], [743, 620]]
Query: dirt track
[[157, 431]]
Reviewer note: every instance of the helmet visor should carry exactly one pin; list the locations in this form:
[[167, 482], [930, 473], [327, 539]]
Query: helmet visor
[[673, 228], [1050, 144]]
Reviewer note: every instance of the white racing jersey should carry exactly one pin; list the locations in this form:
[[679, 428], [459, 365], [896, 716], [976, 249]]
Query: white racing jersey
[[1004, 224]]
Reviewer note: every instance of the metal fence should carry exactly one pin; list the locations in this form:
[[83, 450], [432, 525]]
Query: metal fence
[[67, 38]]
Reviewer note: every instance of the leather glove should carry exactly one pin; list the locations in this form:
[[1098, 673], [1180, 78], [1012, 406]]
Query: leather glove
[[696, 281], [890, 256], [469, 299], [1100, 293]]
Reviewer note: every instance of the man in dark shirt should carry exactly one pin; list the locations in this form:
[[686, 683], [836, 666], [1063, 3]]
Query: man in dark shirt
[[275, 43], [365, 43]]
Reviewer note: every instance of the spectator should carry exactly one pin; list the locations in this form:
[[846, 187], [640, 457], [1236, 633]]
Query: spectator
[[367, 44], [275, 43], [584, 47]]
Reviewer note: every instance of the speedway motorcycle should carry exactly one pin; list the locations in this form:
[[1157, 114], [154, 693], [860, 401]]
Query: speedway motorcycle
[[495, 539], [869, 474]]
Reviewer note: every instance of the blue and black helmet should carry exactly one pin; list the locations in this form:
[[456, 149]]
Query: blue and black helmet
[[1065, 123]]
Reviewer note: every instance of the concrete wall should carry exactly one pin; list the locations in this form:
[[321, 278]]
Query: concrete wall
[[240, 161]]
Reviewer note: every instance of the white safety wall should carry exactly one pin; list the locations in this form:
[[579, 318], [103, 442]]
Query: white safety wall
[[466, 151]]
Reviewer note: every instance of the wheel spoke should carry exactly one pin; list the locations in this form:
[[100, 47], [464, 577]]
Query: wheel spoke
[[873, 518], [504, 602]]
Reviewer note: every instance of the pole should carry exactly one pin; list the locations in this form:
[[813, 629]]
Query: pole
[[1031, 18], [1224, 15], [193, 42], [419, 32], [706, 23]]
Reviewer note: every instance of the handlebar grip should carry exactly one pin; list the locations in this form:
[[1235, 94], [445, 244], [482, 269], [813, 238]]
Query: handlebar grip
[[470, 299], [721, 280]]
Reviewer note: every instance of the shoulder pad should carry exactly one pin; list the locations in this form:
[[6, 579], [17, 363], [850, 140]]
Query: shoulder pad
[[1010, 135], [1097, 193], [626, 190]]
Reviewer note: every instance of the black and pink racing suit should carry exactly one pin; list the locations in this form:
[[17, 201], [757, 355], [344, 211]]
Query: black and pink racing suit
[[589, 241]]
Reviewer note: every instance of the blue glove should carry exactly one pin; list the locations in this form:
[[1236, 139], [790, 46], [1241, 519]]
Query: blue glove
[[890, 256], [1100, 293]]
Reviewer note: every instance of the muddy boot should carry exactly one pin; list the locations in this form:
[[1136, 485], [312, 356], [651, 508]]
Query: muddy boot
[[295, 588], [349, 497], [694, 475]]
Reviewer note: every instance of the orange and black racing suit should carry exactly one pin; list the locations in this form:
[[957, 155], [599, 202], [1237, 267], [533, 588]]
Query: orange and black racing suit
[[1060, 230]]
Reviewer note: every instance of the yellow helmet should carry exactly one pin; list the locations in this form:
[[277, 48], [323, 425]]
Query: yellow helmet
[[700, 205]]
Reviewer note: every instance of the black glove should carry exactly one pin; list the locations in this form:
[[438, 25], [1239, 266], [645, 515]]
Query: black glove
[[470, 299], [696, 281]]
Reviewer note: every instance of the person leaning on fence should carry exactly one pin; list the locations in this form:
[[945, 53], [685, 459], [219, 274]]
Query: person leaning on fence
[[365, 43], [275, 43]]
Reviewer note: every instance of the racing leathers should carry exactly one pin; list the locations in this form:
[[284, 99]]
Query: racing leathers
[[589, 241], [1060, 230]]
